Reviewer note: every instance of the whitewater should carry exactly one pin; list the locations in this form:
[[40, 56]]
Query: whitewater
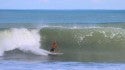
[[22, 39]]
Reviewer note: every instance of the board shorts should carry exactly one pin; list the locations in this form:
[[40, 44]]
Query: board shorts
[[52, 49]]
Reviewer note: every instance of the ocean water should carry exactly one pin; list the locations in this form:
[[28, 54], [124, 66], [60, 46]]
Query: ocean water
[[88, 39]]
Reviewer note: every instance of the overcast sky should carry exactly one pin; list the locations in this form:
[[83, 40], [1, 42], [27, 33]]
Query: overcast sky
[[62, 4]]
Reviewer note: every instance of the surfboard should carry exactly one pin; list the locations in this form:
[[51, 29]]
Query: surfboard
[[53, 53]]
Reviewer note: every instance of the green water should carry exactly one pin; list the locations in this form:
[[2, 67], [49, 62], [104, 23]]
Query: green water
[[87, 44]]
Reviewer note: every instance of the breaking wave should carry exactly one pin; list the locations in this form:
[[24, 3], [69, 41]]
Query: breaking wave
[[87, 43]]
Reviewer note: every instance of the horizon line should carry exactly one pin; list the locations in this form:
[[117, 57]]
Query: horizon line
[[62, 9]]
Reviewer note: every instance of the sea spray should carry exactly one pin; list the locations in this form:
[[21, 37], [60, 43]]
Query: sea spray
[[22, 39]]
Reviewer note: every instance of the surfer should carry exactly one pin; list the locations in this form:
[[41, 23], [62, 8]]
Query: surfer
[[53, 47]]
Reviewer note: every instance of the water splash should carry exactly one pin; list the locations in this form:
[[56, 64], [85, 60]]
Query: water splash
[[22, 39]]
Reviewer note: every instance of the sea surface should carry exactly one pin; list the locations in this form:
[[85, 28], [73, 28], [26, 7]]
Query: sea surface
[[88, 39]]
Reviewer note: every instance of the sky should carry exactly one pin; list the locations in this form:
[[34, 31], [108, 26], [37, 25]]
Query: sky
[[63, 4]]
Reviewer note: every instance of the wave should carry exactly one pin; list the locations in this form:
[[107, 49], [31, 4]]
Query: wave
[[87, 43]]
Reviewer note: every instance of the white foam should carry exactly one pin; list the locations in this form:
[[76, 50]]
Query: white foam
[[22, 39]]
